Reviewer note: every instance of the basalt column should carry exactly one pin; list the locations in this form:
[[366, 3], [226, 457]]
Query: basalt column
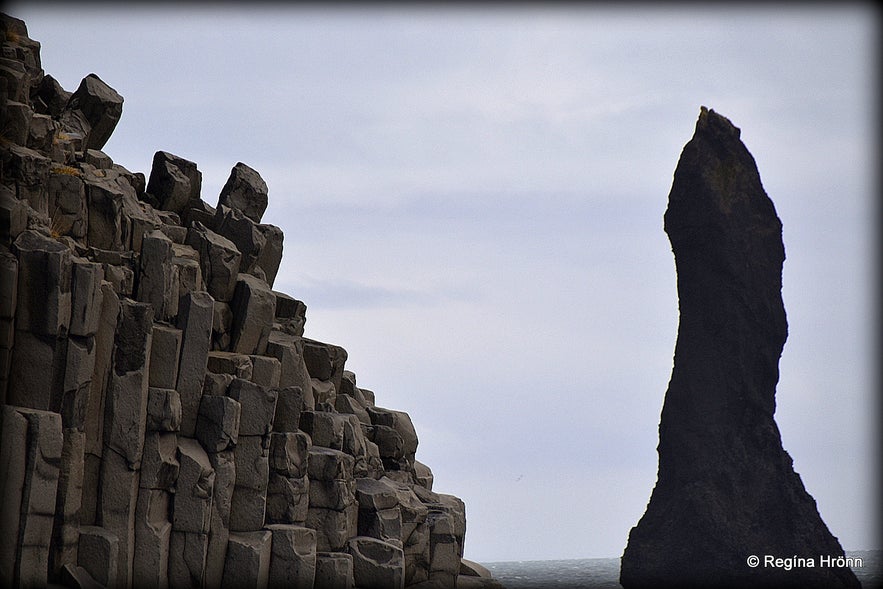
[[726, 489]]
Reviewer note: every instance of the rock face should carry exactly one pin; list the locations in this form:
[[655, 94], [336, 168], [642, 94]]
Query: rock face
[[163, 421], [726, 489]]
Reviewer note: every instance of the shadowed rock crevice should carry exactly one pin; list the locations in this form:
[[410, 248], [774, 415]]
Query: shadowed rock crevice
[[726, 488]]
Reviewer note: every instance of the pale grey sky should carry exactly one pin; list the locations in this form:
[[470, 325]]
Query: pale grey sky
[[472, 203]]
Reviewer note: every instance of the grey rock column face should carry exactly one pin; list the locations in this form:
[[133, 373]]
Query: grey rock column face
[[245, 191], [44, 284], [195, 322], [125, 421], [101, 106], [726, 488], [174, 181]]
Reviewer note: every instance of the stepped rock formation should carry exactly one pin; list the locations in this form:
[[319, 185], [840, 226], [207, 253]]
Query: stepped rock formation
[[726, 489], [163, 420]]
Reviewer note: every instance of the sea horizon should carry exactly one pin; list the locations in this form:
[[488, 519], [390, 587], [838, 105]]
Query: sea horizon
[[603, 572]]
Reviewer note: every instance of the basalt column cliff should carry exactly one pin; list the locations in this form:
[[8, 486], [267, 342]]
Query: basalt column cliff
[[163, 420], [726, 489]]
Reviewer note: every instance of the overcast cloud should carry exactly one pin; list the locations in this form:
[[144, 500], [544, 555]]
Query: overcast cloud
[[472, 203]]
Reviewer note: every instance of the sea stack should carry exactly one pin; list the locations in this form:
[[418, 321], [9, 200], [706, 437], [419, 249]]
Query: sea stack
[[726, 490]]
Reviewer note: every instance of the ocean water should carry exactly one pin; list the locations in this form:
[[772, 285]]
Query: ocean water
[[603, 573]]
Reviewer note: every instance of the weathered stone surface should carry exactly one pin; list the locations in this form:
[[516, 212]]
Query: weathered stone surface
[[217, 428], [85, 297], [79, 362], [384, 524], [163, 408], [237, 365], [423, 474], [102, 107], [216, 384], [222, 498], [258, 407], [245, 191], [333, 527], [16, 124], [348, 404], [266, 371], [117, 220], [67, 205], [194, 489], [334, 570], [444, 550], [325, 429], [117, 503], [336, 494], [379, 513], [13, 215], [104, 341], [222, 322], [195, 322], [289, 404], [159, 465], [50, 97], [253, 307], [165, 351], [187, 559], [291, 314], [37, 389], [288, 499], [366, 453], [174, 182], [324, 361], [98, 159], [126, 402], [243, 232], [29, 171], [376, 495], [377, 564], [158, 280], [289, 453], [13, 464], [401, 423], [326, 464], [252, 477], [726, 488], [248, 560], [293, 561], [186, 259], [32, 483], [69, 495], [153, 532], [391, 446], [219, 260], [323, 392], [98, 553], [271, 254], [44, 284], [288, 350]]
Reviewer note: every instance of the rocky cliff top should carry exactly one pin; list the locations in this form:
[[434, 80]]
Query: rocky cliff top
[[165, 423]]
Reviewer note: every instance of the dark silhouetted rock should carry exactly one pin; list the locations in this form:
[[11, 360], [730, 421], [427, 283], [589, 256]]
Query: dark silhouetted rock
[[245, 191], [726, 488], [101, 106], [174, 182]]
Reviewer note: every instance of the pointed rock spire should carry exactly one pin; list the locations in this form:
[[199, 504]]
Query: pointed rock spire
[[726, 490]]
